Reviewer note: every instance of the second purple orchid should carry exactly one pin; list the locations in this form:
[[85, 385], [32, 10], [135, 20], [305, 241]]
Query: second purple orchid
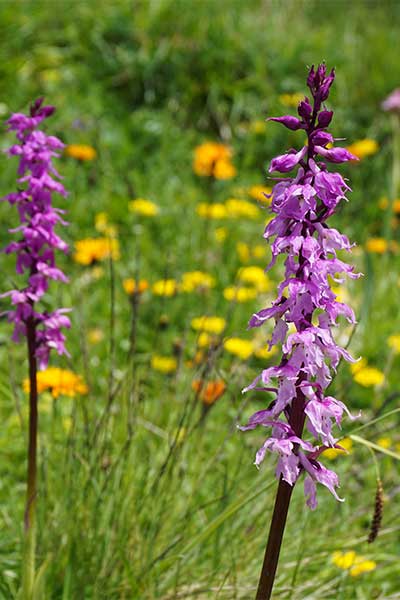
[[302, 204], [38, 241]]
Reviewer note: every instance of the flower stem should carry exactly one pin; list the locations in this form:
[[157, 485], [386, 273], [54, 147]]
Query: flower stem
[[28, 567], [275, 537], [281, 508]]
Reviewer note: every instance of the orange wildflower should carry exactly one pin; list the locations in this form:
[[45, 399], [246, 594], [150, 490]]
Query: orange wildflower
[[209, 392]]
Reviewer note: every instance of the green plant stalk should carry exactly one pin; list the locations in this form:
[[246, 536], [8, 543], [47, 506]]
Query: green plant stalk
[[28, 565]]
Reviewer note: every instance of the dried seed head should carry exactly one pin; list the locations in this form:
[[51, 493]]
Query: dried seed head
[[378, 511]]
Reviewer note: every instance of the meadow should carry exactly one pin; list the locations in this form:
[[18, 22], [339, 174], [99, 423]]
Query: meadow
[[146, 487]]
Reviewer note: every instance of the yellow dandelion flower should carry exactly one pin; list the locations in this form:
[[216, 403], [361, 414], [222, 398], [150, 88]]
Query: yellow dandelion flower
[[60, 382], [131, 286], [363, 148], [209, 324], [164, 364], [143, 207], [291, 100], [357, 366], [255, 276], [95, 336], [165, 287], [211, 211], [80, 152], [384, 442], [241, 208], [353, 563], [364, 566], [332, 453], [204, 340], [394, 342], [376, 245], [91, 250], [264, 353], [220, 234], [196, 281], [258, 192], [239, 294], [369, 377], [396, 206], [344, 560], [239, 347]]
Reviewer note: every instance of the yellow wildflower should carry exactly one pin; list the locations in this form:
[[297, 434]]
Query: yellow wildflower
[[143, 207], [213, 160], [332, 453], [353, 563], [241, 208], [102, 224], [224, 169], [220, 234], [91, 250], [369, 376], [131, 286], [394, 342], [165, 287], [258, 193], [384, 442], [291, 99], [255, 276], [80, 152], [363, 148], [344, 560], [264, 352], [204, 340], [59, 382], [364, 566], [211, 211], [95, 335], [376, 245], [196, 281], [239, 294], [239, 347], [164, 364], [209, 324]]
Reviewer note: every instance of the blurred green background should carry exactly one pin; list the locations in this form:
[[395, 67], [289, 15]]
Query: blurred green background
[[144, 492]]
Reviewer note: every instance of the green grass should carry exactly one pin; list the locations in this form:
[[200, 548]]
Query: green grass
[[141, 497]]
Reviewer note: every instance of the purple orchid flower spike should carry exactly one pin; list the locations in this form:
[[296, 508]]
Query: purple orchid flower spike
[[310, 356], [38, 241], [299, 231], [35, 250]]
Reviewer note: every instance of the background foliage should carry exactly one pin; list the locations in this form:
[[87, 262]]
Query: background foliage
[[143, 493]]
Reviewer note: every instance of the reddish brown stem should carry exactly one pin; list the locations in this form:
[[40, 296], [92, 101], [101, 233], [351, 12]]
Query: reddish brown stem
[[33, 425], [281, 507]]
